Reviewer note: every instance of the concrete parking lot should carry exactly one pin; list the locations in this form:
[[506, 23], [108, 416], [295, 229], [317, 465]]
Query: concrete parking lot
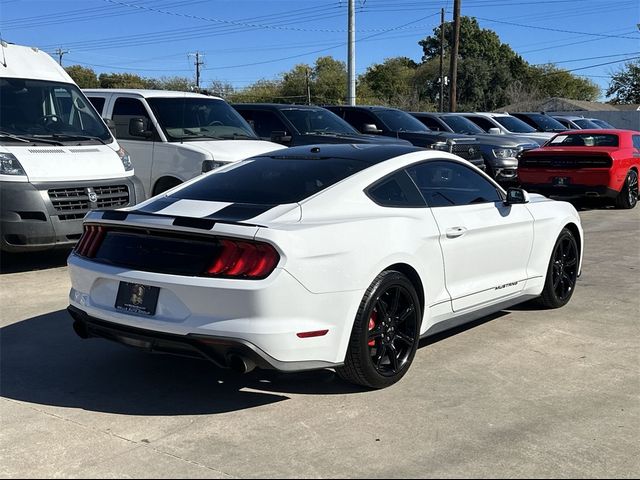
[[524, 393]]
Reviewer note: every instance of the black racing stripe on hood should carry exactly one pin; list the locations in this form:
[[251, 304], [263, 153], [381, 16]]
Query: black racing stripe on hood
[[157, 205], [238, 212]]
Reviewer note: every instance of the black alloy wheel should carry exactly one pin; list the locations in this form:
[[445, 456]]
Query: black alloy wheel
[[628, 196], [385, 334], [563, 272]]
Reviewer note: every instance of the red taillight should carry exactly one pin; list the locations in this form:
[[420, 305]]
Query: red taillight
[[90, 241], [244, 259]]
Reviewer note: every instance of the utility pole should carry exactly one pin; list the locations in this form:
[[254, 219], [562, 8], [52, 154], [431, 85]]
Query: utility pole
[[197, 63], [454, 56], [351, 91], [60, 53], [442, 60], [308, 86]]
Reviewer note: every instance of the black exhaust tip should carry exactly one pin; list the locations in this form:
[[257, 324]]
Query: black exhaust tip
[[240, 364]]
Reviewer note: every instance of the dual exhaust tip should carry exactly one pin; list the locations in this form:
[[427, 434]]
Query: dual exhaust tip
[[234, 361]]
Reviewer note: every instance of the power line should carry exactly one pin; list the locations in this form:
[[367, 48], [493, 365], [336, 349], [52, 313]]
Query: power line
[[556, 29]]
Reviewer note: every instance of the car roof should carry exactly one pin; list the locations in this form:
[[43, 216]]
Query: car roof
[[369, 153], [569, 117], [149, 93], [362, 107], [279, 106]]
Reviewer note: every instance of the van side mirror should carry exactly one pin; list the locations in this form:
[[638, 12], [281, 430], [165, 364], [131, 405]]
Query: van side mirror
[[111, 125], [516, 196], [370, 128], [495, 131], [137, 128], [281, 137]]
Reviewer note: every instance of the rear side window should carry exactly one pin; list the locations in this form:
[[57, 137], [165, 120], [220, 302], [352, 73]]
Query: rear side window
[[271, 181], [483, 123], [98, 103], [431, 124], [636, 142], [397, 190], [264, 123]]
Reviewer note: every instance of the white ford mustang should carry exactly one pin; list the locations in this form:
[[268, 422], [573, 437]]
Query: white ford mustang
[[338, 256]]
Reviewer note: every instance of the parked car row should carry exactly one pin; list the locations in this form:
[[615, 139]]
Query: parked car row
[[171, 137]]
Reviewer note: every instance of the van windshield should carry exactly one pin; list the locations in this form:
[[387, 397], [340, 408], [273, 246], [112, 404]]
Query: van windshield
[[192, 118], [47, 112]]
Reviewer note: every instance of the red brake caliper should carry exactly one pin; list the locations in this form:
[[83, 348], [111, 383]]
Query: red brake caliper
[[372, 325]]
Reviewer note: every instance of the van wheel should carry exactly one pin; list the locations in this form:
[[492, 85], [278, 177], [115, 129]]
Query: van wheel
[[385, 333], [165, 184]]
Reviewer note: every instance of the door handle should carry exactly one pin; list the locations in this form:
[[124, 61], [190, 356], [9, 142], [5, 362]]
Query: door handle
[[456, 232]]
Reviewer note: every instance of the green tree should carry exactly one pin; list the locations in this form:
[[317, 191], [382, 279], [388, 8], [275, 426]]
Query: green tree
[[329, 81], [181, 84], [486, 66], [293, 87], [83, 76], [125, 80], [221, 89], [551, 81], [263, 91], [625, 84]]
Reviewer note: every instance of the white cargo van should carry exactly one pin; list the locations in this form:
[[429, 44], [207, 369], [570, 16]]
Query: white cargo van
[[175, 136], [58, 159]]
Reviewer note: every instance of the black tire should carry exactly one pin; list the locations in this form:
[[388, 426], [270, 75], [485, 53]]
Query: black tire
[[387, 327], [628, 196], [562, 273]]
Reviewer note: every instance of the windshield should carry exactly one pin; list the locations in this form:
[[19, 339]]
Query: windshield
[[399, 121], [189, 118], [317, 121], [585, 140], [602, 123], [546, 123], [585, 124], [514, 124], [48, 112], [461, 125]]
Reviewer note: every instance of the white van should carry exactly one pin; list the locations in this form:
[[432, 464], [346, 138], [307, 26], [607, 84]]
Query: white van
[[175, 136], [58, 159]]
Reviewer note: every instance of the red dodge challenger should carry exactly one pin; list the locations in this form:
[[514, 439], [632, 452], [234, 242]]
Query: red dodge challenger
[[592, 163]]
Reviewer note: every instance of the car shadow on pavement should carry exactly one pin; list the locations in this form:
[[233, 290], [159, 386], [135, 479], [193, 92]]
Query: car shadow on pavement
[[24, 262], [42, 361]]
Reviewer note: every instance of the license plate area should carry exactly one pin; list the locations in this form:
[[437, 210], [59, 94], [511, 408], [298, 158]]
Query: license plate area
[[137, 298], [560, 181]]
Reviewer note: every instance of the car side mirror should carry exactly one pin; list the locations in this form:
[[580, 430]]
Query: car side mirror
[[279, 136], [137, 128], [516, 196], [111, 125], [495, 131], [370, 128]]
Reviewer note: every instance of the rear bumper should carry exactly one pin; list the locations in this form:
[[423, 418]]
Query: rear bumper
[[30, 222], [571, 190], [268, 314], [218, 350]]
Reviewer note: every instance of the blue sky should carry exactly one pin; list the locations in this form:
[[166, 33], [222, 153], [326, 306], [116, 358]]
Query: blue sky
[[246, 40]]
